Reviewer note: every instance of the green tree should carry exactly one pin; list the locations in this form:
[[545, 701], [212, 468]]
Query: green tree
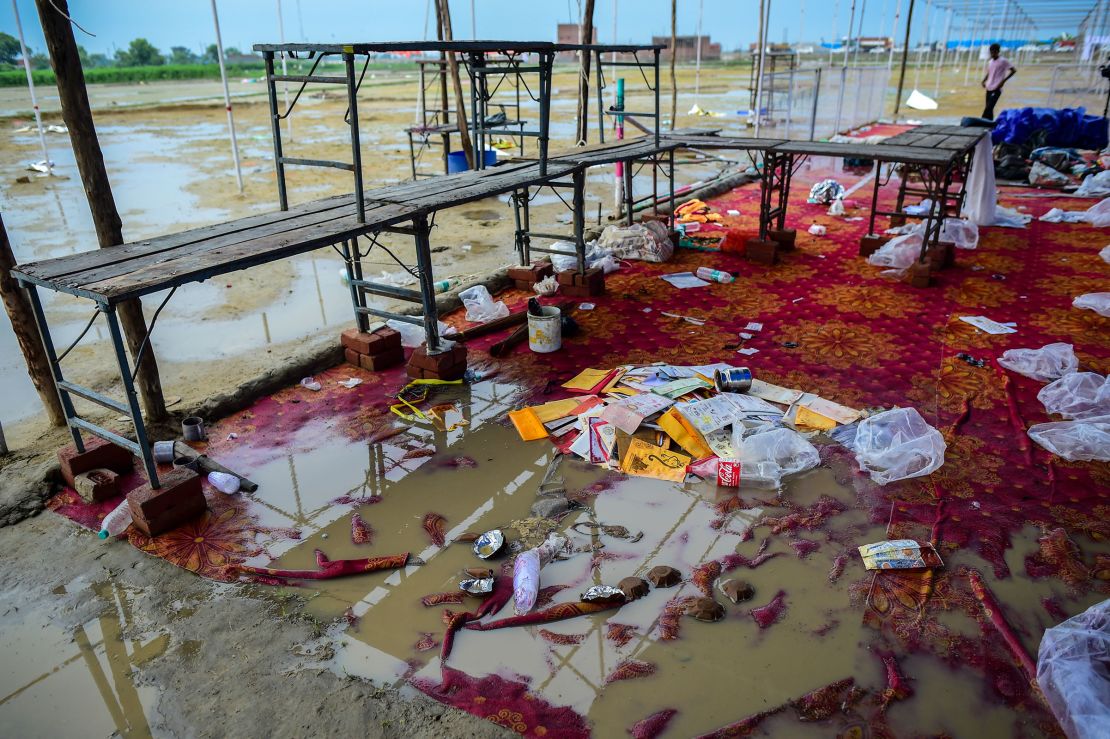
[[9, 48], [231, 51], [211, 54], [140, 53], [40, 61], [182, 55]]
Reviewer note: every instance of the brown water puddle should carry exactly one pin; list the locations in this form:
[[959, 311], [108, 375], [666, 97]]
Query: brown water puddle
[[55, 680]]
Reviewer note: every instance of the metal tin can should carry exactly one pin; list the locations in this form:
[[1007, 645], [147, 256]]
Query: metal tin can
[[728, 473], [733, 380]]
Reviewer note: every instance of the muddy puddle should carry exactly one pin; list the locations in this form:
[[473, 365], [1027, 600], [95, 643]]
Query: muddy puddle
[[82, 681]]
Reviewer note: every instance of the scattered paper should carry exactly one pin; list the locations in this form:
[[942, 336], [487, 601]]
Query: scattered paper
[[351, 382], [745, 335], [648, 460], [901, 554], [586, 306], [679, 429], [688, 319], [748, 351], [732, 212], [839, 413], [985, 324], [309, 383], [602, 437], [590, 380], [708, 415], [684, 280], [774, 393], [721, 444], [805, 418], [628, 414], [678, 388], [527, 424], [753, 326]]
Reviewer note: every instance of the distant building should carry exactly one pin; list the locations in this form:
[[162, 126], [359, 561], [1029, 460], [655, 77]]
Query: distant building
[[568, 33], [867, 43], [686, 48]]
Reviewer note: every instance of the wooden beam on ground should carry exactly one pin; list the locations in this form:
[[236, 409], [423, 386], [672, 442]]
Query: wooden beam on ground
[[30, 343], [78, 118]]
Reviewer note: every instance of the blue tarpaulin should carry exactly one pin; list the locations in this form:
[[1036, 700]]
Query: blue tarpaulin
[[1067, 127]]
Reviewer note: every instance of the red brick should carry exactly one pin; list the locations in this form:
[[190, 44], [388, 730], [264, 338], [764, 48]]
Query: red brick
[[370, 343], [98, 454], [783, 237], [919, 275], [531, 273], [383, 360], [871, 243], [897, 221], [761, 252], [172, 518], [438, 363], [96, 485], [179, 487], [352, 356]]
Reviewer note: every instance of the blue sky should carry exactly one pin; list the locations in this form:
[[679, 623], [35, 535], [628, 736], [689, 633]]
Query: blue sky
[[188, 23]]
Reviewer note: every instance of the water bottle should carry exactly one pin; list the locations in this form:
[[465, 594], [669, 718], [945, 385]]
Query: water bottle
[[444, 285], [715, 275], [117, 521], [225, 483]]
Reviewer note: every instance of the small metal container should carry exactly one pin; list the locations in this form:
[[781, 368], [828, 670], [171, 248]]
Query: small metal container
[[192, 428], [190, 463], [733, 380], [489, 544], [163, 452]]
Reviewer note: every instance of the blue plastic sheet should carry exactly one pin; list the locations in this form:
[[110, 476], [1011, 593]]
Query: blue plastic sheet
[[1067, 127]]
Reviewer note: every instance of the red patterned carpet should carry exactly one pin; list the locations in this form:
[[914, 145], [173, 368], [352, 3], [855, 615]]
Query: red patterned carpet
[[834, 326]]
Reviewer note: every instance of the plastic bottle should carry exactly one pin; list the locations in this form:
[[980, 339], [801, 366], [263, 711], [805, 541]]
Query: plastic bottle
[[716, 275], [225, 483], [117, 521], [444, 285]]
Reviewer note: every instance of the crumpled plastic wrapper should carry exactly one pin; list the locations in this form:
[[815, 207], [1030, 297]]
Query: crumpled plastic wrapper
[[547, 286], [826, 191]]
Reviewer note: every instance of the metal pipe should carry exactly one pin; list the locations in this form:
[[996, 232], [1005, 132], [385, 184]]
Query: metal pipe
[[34, 100], [356, 148], [816, 97], [427, 287], [764, 16], [905, 52], [132, 398], [55, 367], [275, 127], [284, 68], [231, 118]]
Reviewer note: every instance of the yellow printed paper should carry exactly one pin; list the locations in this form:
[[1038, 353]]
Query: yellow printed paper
[[679, 429], [813, 420], [527, 424], [587, 379], [613, 383], [648, 460], [556, 409]]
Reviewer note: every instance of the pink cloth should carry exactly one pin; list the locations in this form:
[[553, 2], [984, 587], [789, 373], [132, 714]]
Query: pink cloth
[[997, 69]]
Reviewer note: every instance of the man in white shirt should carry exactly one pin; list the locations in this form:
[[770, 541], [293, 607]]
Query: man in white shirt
[[999, 71]]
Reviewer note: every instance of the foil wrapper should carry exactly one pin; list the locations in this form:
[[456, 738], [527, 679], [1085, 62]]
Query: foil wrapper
[[603, 594], [489, 544], [477, 586], [826, 191]]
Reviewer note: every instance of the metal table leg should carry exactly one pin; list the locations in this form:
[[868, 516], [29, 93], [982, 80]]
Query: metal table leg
[[422, 231], [132, 398], [579, 216], [55, 367]]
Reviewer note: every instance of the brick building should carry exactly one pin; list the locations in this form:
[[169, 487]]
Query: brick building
[[686, 48]]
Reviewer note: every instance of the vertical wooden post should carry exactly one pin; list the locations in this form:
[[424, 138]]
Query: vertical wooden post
[[23, 322], [674, 53], [443, 13], [78, 118], [586, 36]]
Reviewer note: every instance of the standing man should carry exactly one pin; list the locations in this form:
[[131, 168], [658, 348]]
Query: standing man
[[999, 71]]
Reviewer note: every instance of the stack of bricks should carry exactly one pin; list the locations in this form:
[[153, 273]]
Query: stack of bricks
[[373, 351], [446, 365], [783, 238], [575, 285], [178, 501], [525, 277], [99, 455]]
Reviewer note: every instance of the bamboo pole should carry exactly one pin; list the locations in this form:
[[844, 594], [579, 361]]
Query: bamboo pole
[[585, 36], [227, 98], [78, 118], [905, 52], [443, 13], [30, 343], [31, 90], [674, 51]]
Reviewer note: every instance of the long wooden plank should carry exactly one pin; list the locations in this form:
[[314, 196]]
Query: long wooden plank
[[883, 152], [246, 254], [737, 143], [141, 261], [486, 188], [51, 269]]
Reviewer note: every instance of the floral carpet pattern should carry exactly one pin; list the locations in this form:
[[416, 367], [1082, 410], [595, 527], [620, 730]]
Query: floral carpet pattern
[[832, 325]]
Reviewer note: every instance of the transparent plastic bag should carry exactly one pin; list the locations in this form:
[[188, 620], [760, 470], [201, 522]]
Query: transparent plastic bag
[[1104, 254], [1050, 362], [1078, 395], [1042, 174], [1073, 675], [480, 307], [898, 253], [768, 456], [964, 234], [1099, 213], [894, 445], [1094, 186], [1075, 441], [526, 571], [413, 336], [647, 242], [1098, 302]]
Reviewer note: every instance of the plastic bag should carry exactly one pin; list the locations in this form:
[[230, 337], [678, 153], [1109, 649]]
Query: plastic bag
[[924, 208], [1099, 214], [1050, 362], [1056, 215], [768, 456], [894, 445], [1105, 254], [1042, 174], [1098, 302], [981, 201], [564, 262], [1078, 395], [837, 207], [547, 286], [413, 336], [898, 253], [964, 234], [1072, 672], [480, 307], [1010, 218], [1094, 186], [826, 191], [648, 242], [1086, 440]]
